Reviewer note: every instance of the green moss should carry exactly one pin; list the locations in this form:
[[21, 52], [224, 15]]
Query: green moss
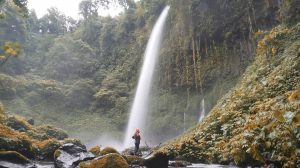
[[53, 132], [112, 160], [37, 143], [44, 150], [108, 150], [133, 159], [2, 113]]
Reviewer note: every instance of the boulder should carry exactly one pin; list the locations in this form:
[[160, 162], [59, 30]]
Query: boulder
[[70, 155], [44, 150], [9, 159], [96, 150], [179, 163], [53, 132], [11, 140], [108, 150], [30, 121], [157, 160], [18, 123], [133, 160], [143, 151], [112, 160]]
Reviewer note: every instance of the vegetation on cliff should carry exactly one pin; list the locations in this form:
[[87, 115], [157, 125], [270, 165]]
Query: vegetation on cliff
[[18, 137], [258, 120]]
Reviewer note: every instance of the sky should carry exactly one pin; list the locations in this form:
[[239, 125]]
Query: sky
[[68, 7]]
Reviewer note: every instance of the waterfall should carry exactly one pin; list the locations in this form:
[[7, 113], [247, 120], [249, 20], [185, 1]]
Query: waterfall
[[139, 108], [202, 111]]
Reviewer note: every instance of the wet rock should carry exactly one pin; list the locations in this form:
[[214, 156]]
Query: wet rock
[[44, 150], [70, 155], [158, 160], [143, 151], [15, 142], [112, 160], [179, 163], [9, 159], [31, 121], [133, 160]]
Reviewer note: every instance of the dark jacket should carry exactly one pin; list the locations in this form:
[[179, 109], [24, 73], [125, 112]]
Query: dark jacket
[[137, 138]]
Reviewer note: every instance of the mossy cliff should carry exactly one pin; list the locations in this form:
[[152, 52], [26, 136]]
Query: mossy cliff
[[258, 120], [38, 143]]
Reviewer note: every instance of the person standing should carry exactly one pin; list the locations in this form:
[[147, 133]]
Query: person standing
[[137, 140]]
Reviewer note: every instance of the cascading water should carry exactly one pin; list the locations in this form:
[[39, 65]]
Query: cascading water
[[202, 112], [139, 109]]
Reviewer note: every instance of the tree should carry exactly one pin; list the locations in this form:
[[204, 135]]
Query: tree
[[89, 8], [9, 49], [54, 22], [10, 22], [32, 22]]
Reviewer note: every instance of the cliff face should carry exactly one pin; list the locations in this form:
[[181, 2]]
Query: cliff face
[[207, 47], [257, 121], [90, 73]]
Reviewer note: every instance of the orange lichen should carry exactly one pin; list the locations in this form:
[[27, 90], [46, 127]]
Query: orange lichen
[[9, 133], [45, 143]]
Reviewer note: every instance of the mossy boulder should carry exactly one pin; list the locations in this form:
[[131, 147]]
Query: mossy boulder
[[44, 150], [14, 157], [108, 150], [133, 160], [112, 160], [76, 142], [158, 159], [9, 159], [38, 143], [18, 123], [96, 150], [11, 140], [53, 132]]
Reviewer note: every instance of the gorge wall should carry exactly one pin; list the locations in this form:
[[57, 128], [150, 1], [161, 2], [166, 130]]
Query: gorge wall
[[82, 75]]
